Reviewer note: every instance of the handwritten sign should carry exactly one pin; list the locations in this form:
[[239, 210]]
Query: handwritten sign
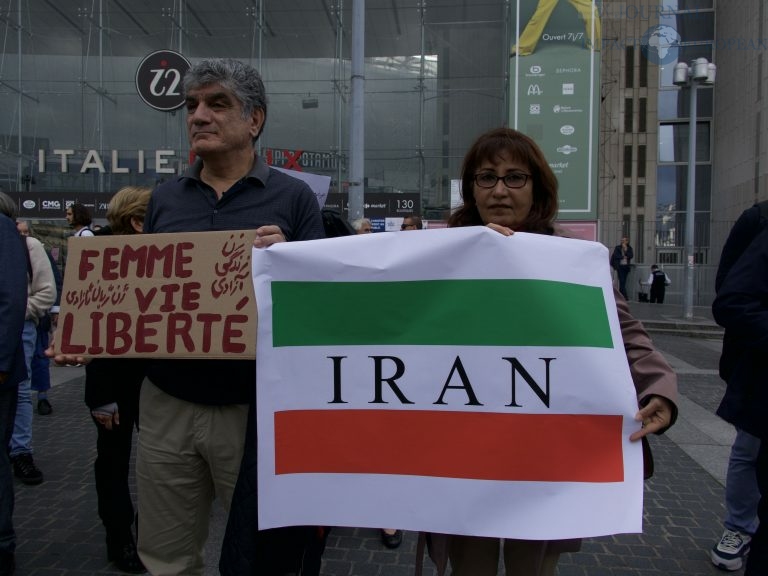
[[159, 295]]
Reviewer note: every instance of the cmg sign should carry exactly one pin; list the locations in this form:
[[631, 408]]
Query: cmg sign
[[158, 79]]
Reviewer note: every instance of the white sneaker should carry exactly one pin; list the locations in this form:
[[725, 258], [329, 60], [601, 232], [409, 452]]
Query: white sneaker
[[729, 553]]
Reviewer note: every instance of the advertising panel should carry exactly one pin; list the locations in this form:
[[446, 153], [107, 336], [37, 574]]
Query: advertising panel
[[555, 92], [53, 205], [379, 205]]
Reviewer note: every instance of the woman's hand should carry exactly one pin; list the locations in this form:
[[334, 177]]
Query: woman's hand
[[503, 230], [655, 416]]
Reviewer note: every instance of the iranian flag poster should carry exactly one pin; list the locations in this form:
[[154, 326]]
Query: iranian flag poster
[[449, 380]]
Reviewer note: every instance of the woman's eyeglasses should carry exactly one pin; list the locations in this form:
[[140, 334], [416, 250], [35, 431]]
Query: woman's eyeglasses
[[511, 180]]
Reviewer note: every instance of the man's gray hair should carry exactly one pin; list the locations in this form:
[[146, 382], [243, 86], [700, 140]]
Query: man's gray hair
[[357, 224], [243, 80], [8, 206]]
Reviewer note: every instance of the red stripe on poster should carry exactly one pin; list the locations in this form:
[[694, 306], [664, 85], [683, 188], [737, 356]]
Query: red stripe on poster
[[469, 445]]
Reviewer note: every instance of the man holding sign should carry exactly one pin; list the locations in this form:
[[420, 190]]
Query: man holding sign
[[194, 413]]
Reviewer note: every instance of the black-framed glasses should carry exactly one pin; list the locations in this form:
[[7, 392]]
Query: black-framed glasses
[[511, 180]]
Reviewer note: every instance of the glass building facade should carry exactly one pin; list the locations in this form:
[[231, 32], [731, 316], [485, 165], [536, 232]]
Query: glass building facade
[[72, 121], [437, 74], [694, 21]]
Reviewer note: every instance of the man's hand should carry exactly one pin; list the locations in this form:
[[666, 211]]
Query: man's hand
[[268, 235], [108, 416], [655, 416]]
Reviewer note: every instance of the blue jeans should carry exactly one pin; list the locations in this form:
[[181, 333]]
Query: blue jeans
[[757, 560], [41, 364], [623, 272], [21, 442], [741, 492], [8, 399]]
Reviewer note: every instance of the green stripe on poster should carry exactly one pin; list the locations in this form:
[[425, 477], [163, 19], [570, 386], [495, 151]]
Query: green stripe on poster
[[439, 313]]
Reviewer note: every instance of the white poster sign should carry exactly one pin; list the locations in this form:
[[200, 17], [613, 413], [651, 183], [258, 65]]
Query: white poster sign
[[451, 380]]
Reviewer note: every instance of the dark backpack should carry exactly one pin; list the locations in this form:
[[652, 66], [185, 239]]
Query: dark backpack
[[335, 225]]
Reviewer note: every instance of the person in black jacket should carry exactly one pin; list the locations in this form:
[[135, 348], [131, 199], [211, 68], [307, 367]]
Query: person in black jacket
[[741, 490], [741, 307], [13, 369], [658, 281], [621, 261], [112, 388]]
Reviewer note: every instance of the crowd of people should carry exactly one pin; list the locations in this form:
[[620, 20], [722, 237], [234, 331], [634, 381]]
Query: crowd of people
[[197, 417]]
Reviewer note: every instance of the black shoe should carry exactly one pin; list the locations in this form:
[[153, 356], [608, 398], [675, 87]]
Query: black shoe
[[7, 564], [25, 470], [392, 540], [122, 552], [44, 407]]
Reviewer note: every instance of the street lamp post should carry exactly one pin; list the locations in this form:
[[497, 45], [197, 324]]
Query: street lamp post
[[700, 71]]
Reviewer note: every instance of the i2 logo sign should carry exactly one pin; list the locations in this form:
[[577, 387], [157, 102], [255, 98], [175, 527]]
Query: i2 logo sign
[[158, 79]]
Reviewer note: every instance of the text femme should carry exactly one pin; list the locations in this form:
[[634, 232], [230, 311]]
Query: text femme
[[171, 260], [457, 372]]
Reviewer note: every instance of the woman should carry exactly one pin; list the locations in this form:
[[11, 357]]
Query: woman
[[508, 186], [112, 393]]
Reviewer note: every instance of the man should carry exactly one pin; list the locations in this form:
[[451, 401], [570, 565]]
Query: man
[[412, 222], [13, 306], [41, 294], [658, 281], [741, 490], [41, 364], [362, 226], [79, 218], [193, 413], [621, 261], [741, 307]]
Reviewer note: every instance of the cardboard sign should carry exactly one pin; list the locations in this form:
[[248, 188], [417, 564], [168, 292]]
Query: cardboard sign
[[159, 295]]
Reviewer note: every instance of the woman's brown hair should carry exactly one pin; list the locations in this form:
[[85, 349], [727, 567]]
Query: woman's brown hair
[[519, 148], [127, 203]]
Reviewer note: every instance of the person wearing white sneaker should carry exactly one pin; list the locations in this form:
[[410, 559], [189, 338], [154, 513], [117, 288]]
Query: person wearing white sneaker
[[729, 553], [742, 494], [741, 498], [741, 308]]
